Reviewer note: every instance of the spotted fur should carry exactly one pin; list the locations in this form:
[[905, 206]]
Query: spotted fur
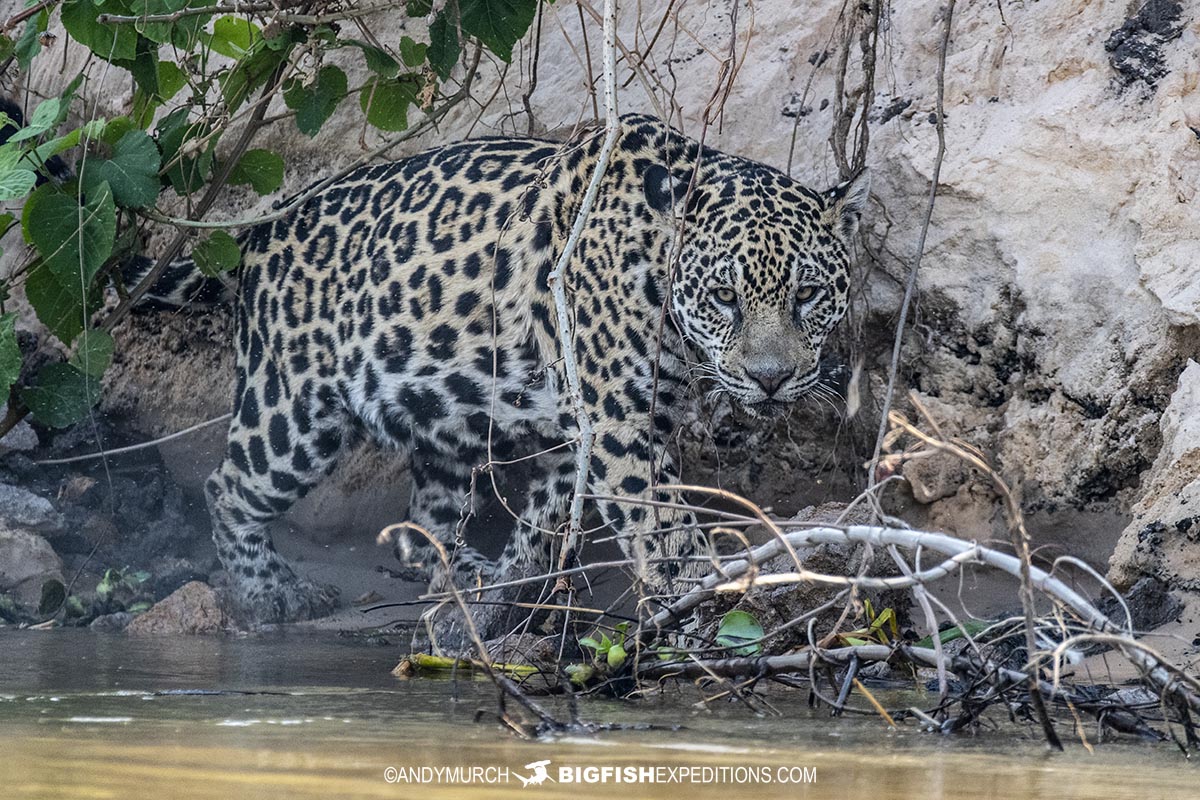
[[411, 301]]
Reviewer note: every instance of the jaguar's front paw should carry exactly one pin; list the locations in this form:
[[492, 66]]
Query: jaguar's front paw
[[291, 600]]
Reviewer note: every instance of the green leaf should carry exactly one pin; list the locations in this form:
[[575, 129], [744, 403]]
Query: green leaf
[[159, 32], [60, 308], [378, 60], [73, 240], [45, 116], [6, 222], [188, 32], [74, 607], [736, 629], [7, 47], [588, 641], [10, 353], [282, 37], [59, 144], [16, 183], [94, 353], [315, 103], [386, 102], [665, 653], [30, 44], [580, 674], [616, 656], [412, 53], [187, 173], [132, 172], [115, 129], [216, 254], [110, 42], [143, 67], [249, 74], [170, 79], [444, 48], [499, 24], [10, 156], [234, 36], [972, 627], [108, 584], [68, 94], [262, 169], [63, 395]]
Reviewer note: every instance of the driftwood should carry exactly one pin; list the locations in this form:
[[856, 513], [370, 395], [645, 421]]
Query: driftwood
[[1163, 678]]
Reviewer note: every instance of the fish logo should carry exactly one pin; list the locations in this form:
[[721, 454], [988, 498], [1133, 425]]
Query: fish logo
[[538, 776]]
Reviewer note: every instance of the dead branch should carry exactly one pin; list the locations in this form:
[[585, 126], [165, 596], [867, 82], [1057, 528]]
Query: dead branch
[[1157, 673], [566, 331], [911, 283]]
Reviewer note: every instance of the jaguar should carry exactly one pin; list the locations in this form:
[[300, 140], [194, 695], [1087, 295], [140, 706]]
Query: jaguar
[[412, 302]]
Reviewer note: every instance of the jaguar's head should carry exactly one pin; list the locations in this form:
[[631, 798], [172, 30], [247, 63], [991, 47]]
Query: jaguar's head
[[762, 278]]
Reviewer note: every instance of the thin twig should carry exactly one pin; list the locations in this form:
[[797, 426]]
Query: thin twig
[[557, 280], [135, 447], [29, 13], [911, 282]]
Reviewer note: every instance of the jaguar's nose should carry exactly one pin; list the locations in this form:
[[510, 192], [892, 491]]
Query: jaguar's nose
[[770, 376]]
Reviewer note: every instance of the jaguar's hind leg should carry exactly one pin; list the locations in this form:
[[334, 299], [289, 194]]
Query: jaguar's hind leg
[[267, 467], [440, 495], [529, 552]]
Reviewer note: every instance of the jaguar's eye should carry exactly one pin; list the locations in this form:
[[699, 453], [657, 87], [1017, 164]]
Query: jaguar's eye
[[724, 295], [806, 293]]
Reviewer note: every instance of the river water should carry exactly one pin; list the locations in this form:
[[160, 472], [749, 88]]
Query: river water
[[84, 715]]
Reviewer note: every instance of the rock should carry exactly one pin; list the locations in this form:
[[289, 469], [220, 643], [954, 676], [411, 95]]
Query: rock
[[1136, 47], [193, 608], [27, 561], [170, 574], [934, 478], [24, 509], [1162, 541], [367, 599], [524, 648], [835, 514], [75, 488], [21, 439], [112, 623], [1150, 605]]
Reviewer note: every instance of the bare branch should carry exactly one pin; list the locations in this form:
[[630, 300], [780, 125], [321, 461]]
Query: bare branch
[[566, 332]]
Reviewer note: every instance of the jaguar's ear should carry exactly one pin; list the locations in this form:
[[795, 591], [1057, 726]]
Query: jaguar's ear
[[663, 191], [845, 203]]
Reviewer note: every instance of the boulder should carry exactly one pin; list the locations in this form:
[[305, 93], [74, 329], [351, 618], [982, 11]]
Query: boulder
[[24, 509], [191, 609], [27, 561], [21, 439]]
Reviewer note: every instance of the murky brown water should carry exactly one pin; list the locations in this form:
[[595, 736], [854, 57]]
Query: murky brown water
[[80, 718]]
